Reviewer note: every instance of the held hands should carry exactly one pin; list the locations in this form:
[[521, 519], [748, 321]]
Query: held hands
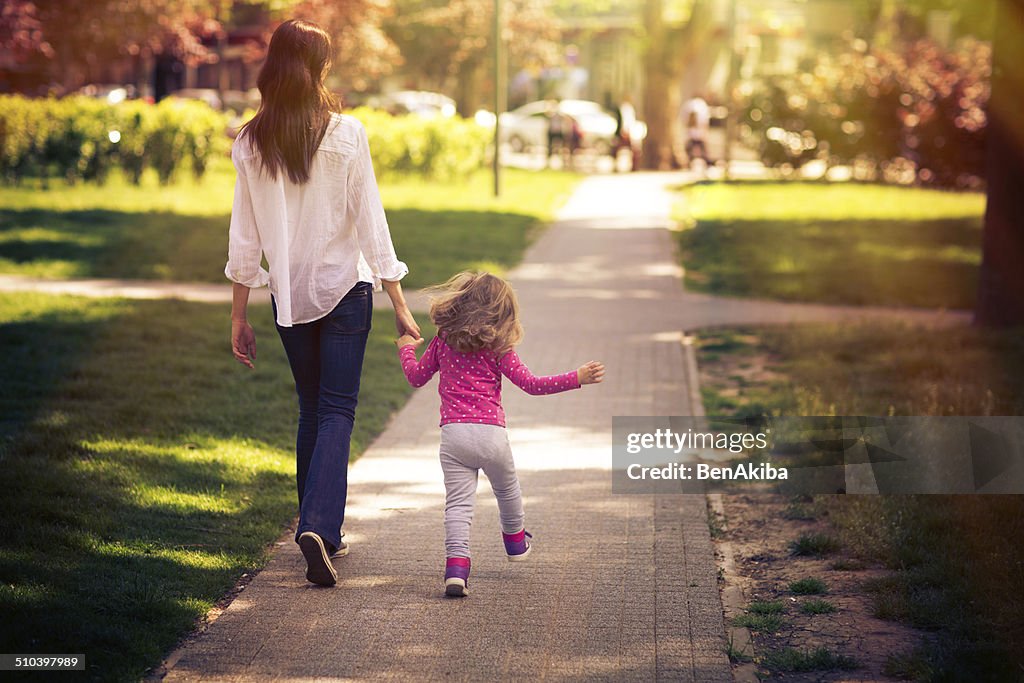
[[406, 324], [408, 340], [243, 342], [590, 373]]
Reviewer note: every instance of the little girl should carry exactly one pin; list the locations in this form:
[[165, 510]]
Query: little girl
[[477, 319]]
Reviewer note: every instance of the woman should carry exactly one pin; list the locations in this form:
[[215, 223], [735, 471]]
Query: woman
[[306, 197]]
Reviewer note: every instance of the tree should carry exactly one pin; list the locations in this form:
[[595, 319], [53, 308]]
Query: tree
[[1001, 284], [363, 51], [448, 44], [675, 32], [76, 40]]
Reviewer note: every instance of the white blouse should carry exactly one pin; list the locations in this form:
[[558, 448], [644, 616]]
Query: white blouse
[[321, 237]]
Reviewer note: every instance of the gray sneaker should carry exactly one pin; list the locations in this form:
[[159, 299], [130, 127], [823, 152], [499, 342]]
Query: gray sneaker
[[341, 550]]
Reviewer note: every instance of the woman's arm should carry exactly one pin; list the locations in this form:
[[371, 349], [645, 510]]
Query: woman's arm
[[243, 338], [404, 322], [366, 214], [245, 248], [245, 252]]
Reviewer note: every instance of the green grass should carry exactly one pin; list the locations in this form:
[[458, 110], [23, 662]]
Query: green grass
[[761, 623], [814, 545], [809, 586], [801, 507], [818, 607], [143, 469], [180, 232], [766, 607], [833, 243], [956, 562], [820, 659], [910, 666]]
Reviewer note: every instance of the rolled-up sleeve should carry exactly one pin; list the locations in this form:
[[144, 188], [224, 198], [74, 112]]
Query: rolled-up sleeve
[[366, 214], [245, 251]]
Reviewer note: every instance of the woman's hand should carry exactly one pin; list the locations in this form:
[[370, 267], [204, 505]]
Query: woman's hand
[[408, 340], [243, 342], [590, 373], [406, 324]]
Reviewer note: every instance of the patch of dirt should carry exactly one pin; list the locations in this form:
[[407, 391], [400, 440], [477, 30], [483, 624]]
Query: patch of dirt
[[757, 531], [756, 562]]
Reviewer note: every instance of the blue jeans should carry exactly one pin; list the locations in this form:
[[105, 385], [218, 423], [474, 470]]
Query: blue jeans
[[326, 357]]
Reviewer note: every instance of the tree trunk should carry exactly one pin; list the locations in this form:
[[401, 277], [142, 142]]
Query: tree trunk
[[660, 90], [668, 50], [1001, 282], [469, 87], [661, 103]]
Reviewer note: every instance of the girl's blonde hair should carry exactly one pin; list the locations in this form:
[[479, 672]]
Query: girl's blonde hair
[[475, 311]]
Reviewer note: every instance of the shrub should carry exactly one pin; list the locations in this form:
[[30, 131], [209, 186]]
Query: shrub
[[916, 113], [79, 138], [815, 545], [438, 148]]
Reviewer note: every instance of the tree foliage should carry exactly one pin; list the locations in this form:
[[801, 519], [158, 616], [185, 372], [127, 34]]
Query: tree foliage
[[448, 44], [363, 51], [74, 39]]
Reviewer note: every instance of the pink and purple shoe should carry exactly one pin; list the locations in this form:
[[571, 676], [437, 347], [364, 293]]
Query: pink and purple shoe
[[456, 577], [517, 545]]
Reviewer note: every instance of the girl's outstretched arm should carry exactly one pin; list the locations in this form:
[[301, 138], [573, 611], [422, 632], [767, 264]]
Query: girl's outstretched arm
[[417, 372], [512, 367]]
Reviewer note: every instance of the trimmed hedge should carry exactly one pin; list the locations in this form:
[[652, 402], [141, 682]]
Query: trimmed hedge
[[439, 148], [80, 138]]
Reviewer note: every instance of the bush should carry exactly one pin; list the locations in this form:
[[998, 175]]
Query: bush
[[79, 138], [916, 113], [438, 148]]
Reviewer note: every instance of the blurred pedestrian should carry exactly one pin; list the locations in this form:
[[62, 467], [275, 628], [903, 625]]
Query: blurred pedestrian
[[306, 198], [564, 136], [696, 119], [625, 120]]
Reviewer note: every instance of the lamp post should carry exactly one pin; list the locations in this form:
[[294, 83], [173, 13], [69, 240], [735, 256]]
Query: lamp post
[[499, 93], [730, 88]]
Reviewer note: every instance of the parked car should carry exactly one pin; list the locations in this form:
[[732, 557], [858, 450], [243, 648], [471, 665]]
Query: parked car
[[527, 126], [419, 102]]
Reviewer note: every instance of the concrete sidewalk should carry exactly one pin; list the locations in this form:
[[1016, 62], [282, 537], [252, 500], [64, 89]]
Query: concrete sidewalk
[[618, 588]]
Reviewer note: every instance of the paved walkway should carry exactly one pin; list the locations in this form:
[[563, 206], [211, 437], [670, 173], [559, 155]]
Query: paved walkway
[[620, 587]]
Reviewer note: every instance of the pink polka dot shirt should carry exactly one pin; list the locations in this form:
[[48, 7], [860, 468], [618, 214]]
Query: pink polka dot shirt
[[470, 384]]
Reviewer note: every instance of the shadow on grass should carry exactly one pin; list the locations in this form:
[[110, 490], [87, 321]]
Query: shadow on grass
[[169, 246], [143, 469], [926, 263]]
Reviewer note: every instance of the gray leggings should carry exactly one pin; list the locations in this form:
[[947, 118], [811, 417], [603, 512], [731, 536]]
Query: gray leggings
[[465, 450]]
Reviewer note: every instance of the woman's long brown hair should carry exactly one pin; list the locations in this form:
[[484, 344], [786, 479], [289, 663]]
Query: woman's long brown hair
[[296, 107]]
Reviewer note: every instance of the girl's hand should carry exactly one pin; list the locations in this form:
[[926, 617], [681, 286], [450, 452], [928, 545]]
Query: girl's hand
[[243, 342], [408, 340], [590, 373]]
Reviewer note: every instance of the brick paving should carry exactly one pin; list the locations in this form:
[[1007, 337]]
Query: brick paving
[[620, 587]]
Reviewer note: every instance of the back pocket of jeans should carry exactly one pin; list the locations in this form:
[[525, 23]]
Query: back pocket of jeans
[[353, 314]]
